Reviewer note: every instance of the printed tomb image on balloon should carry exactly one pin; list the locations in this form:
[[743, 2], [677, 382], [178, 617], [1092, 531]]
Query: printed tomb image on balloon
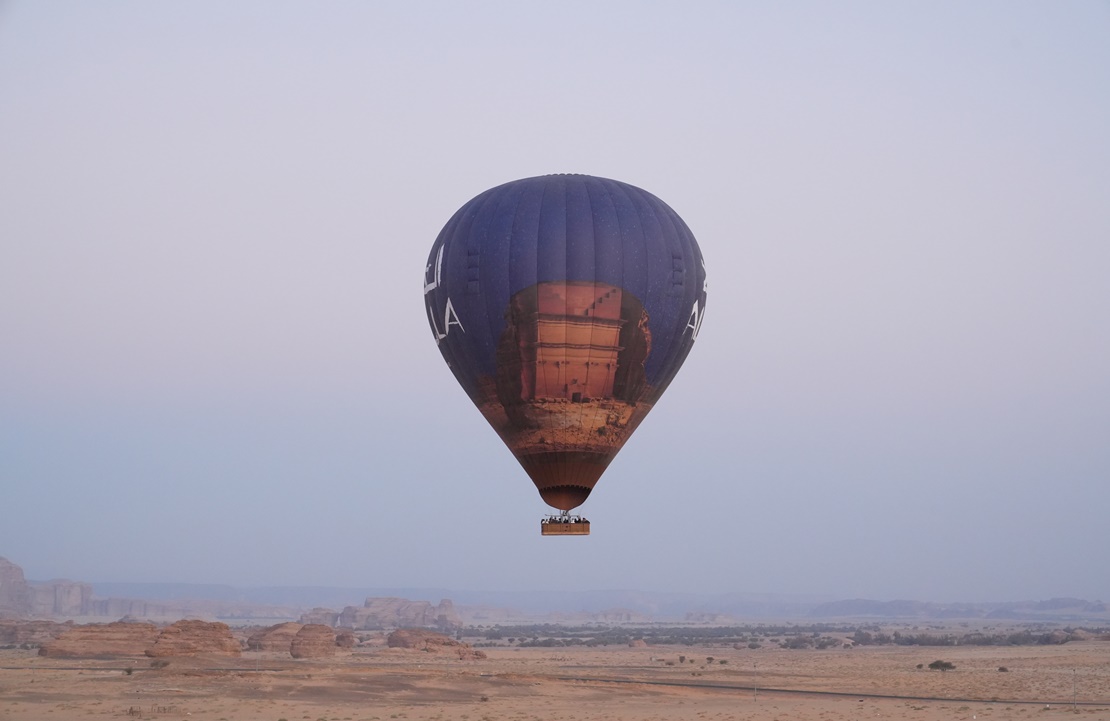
[[564, 305]]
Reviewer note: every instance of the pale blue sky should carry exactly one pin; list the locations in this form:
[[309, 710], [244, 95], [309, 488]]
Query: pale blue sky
[[215, 365]]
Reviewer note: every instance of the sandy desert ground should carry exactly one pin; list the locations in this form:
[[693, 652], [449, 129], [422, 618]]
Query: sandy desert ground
[[574, 684]]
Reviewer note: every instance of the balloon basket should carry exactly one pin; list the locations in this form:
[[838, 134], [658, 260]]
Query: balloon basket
[[564, 525]]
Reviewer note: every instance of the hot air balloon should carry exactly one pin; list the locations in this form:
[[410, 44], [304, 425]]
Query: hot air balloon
[[565, 305]]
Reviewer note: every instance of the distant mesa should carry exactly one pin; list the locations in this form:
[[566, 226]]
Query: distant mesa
[[1056, 608], [324, 616], [20, 599], [387, 613], [61, 600]]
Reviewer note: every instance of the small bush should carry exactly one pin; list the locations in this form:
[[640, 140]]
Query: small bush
[[1003, 669]]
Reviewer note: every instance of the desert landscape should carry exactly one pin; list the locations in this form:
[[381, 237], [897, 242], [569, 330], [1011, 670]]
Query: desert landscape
[[637, 680], [396, 658]]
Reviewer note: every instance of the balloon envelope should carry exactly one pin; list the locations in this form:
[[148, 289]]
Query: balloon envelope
[[564, 305]]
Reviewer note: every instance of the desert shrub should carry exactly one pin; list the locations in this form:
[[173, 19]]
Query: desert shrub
[[942, 665]]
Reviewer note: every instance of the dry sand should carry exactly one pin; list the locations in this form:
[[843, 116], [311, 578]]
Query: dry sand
[[574, 684]]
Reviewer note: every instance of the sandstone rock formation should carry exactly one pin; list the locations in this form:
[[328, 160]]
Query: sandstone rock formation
[[189, 638], [325, 616], [36, 633], [345, 639], [382, 613], [20, 598], [422, 639], [98, 640], [61, 598], [313, 640], [16, 596], [277, 638]]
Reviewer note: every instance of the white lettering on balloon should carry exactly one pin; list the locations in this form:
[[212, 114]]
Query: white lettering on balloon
[[697, 313], [429, 287], [694, 324], [450, 317]]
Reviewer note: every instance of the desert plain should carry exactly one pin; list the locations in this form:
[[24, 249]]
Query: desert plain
[[609, 683]]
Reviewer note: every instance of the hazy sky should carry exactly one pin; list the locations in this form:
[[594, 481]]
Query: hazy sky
[[214, 360]]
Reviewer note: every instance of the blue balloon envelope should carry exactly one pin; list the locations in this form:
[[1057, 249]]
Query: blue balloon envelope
[[564, 305]]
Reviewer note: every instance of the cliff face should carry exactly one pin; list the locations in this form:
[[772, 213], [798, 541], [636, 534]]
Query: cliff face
[[19, 598], [61, 598], [16, 597]]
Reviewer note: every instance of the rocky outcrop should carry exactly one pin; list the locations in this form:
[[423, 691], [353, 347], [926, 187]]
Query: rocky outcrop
[[35, 633], [98, 640], [16, 596], [313, 640], [345, 639], [382, 613], [422, 639], [446, 615], [324, 616], [190, 638], [277, 638]]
